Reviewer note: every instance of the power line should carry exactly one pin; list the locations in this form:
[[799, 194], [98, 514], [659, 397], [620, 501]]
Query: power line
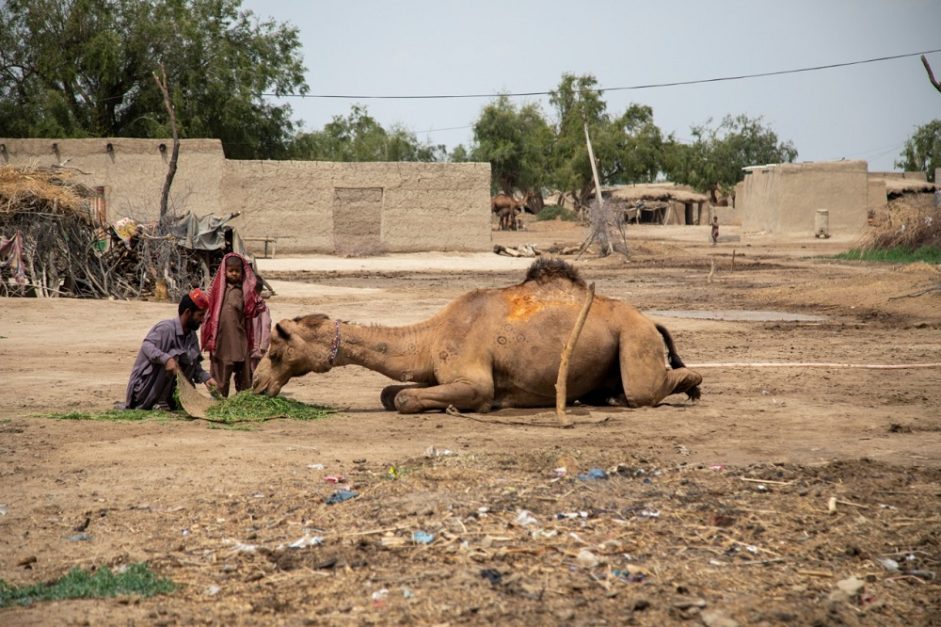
[[719, 79]]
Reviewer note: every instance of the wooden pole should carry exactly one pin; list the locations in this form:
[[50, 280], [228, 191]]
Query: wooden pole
[[934, 81], [600, 224], [565, 421]]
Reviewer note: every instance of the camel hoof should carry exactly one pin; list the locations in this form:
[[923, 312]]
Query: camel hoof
[[406, 403]]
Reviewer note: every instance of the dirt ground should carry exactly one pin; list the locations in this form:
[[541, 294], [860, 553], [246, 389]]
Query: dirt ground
[[749, 505]]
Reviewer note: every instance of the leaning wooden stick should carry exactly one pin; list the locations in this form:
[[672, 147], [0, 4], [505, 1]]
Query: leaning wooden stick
[[565, 421]]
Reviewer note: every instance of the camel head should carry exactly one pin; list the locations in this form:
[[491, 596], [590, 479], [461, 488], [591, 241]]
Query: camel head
[[304, 344]]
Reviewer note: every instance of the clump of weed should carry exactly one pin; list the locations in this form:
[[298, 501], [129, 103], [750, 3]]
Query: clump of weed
[[136, 579]]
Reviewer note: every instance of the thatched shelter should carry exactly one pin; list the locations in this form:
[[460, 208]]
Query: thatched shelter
[[658, 203]]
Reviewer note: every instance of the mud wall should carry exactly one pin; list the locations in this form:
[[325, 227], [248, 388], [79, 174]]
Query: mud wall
[[308, 206], [784, 198], [361, 208], [132, 171]]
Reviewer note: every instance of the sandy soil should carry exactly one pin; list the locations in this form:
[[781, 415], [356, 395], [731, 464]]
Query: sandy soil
[[190, 498]]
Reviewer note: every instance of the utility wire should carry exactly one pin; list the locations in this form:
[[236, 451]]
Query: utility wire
[[738, 77]]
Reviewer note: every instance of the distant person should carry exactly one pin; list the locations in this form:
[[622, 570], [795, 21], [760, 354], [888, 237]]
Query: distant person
[[715, 230], [170, 347], [228, 332], [261, 326]]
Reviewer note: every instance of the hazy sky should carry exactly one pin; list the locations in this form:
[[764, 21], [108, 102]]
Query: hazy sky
[[423, 47]]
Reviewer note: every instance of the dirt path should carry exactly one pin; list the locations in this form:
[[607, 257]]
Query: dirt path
[[178, 494]]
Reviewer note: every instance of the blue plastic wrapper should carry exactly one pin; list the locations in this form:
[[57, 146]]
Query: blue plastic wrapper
[[422, 537], [341, 495], [593, 475]]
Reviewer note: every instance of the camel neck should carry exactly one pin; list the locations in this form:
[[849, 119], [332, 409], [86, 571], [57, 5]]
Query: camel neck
[[400, 353]]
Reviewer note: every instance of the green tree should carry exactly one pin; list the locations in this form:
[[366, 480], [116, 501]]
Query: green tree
[[639, 154], [359, 137], [714, 161], [577, 101], [515, 140], [83, 68], [922, 152]]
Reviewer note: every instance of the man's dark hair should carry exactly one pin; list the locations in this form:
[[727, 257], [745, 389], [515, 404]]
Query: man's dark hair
[[186, 303]]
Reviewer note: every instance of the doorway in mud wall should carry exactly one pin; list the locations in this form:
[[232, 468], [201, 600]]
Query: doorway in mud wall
[[357, 221]]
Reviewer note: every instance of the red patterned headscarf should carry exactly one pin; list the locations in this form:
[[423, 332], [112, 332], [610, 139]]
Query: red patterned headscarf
[[217, 293]]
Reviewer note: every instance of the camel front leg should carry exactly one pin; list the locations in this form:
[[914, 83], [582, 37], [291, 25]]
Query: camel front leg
[[388, 394], [465, 395]]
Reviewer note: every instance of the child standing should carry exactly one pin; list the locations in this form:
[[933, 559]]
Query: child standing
[[715, 230], [228, 333]]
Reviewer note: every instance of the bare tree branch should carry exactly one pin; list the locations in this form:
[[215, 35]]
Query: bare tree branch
[[931, 77], [171, 170]]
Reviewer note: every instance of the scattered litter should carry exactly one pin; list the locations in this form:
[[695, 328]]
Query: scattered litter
[[307, 540], [649, 513], [524, 518], [560, 472], [213, 590], [379, 597], [334, 479], [392, 542], [240, 547], [682, 450], [492, 575], [626, 575], [751, 548], [80, 537], [422, 537], [341, 495], [431, 451], [847, 590], [571, 515], [717, 467], [316, 466], [407, 592], [831, 505], [889, 564], [536, 534], [3, 510], [184, 532], [392, 472], [593, 474], [761, 488], [587, 559]]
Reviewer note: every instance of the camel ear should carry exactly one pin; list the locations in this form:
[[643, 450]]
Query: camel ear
[[284, 335]]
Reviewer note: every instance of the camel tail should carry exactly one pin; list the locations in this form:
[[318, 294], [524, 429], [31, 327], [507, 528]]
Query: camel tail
[[674, 358]]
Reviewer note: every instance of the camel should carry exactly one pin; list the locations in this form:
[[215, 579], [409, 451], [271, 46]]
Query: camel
[[506, 208], [494, 348]]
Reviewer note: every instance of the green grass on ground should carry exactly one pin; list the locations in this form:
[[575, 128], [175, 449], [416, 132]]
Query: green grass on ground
[[136, 579], [927, 254]]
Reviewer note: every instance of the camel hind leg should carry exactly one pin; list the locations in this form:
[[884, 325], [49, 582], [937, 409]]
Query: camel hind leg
[[644, 375]]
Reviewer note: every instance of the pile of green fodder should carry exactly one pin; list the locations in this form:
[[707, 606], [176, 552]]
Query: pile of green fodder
[[246, 406], [912, 222]]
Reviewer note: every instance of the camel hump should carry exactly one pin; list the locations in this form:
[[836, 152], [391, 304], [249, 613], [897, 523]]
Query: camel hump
[[546, 269]]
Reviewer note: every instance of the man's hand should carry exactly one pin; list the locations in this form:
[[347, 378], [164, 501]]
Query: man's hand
[[211, 384], [172, 366]]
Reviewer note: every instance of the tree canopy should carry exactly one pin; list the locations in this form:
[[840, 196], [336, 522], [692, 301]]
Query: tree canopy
[[713, 162], [359, 137], [922, 151], [83, 68], [516, 141]]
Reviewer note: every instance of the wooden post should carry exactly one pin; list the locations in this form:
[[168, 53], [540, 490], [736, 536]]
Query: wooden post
[[565, 421], [600, 217]]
